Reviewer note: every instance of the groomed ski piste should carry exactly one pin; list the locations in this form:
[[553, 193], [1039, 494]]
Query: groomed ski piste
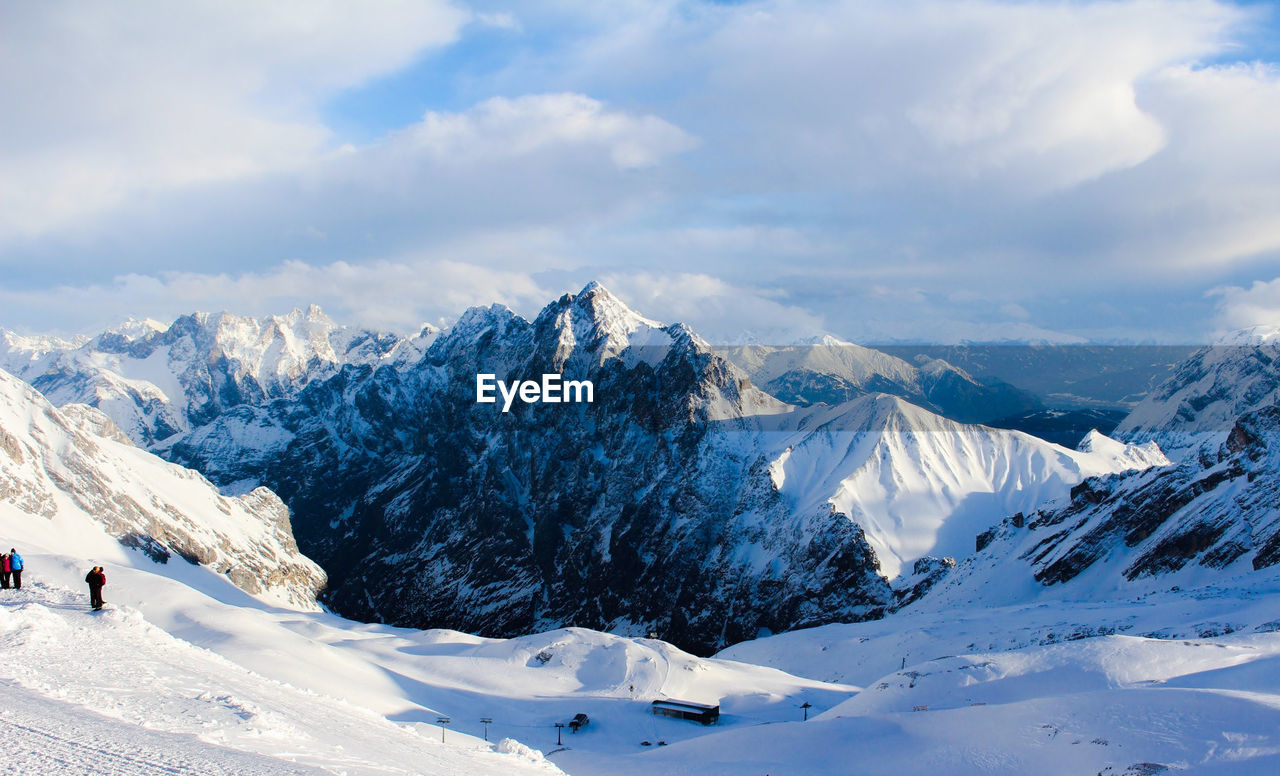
[[185, 674]]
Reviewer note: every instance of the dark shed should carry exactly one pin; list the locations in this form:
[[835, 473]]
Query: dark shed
[[698, 712]]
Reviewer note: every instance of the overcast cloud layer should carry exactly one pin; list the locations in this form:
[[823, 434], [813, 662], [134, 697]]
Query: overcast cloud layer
[[762, 170]]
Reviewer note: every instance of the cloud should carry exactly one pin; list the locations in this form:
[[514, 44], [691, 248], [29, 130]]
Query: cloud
[[396, 295], [1034, 96], [987, 166], [445, 185], [110, 102], [719, 311], [1242, 308], [500, 129], [1209, 198]]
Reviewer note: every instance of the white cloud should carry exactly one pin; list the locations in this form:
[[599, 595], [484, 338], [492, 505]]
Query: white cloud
[[1047, 157], [1241, 308], [397, 295], [1014, 310], [499, 20], [499, 129], [720, 312], [1031, 95], [113, 101], [1209, 198]]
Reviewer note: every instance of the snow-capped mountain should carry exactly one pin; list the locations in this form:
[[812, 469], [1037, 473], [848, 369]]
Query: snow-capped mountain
[[428, 508], [73, 471], [685, 501], [1207, 519], [156, 381], [833, 371], [921, 485], [1208, 392], [640, 511]]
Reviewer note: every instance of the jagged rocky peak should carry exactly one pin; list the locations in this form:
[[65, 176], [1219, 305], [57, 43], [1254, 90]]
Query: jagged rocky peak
[[594, 325], [156, 381], [481, 321]]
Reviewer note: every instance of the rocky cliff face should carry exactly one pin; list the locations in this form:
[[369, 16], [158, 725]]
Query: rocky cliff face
[[73, 466], [645, 511]]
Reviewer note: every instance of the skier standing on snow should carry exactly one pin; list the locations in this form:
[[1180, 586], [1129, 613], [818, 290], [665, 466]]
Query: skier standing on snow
[[15, 568], [5, 571], [97, 580]]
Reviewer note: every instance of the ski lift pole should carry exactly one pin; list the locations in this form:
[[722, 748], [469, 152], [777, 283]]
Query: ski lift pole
[[559, 728], [806, 706], [442, 721], [486, 721]]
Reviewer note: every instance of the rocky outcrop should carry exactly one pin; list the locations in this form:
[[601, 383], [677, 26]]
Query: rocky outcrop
[[71, 464]]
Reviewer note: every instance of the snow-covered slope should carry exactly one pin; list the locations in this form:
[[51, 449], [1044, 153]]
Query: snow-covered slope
[[183, 673], [1172, 680], [1205, 520], [921, 485], [155, 380], [66, 470], [1200, 403]]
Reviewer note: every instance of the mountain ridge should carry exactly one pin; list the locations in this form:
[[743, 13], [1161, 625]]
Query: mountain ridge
[[658, 508]]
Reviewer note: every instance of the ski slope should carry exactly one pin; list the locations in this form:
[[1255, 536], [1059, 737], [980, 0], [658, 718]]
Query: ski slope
[[195, 665], [44, 735], [110, 693]]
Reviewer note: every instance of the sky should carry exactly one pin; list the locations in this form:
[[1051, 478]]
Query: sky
[[766, 170]]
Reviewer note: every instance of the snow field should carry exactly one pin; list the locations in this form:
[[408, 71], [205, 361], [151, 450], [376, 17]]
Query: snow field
[[1032, 689], [51, 737], [100, 673], [180, 651]]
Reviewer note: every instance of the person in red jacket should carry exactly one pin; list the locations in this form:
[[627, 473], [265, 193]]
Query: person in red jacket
[[97, 580], [5, 571]]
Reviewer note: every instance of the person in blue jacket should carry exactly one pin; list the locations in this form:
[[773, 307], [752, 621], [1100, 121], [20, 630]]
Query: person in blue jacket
[[15, 568]]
